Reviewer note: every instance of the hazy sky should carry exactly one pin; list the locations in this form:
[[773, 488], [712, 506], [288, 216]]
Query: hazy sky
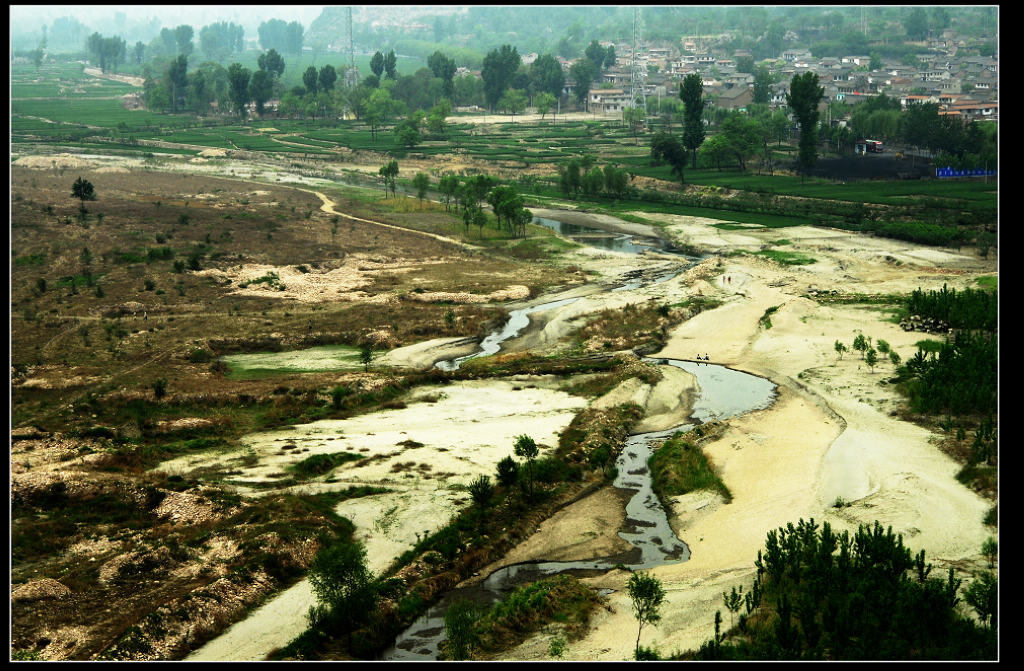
[[33, 16]]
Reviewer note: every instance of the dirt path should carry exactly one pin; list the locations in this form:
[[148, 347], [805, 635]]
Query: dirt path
[[328, 207]]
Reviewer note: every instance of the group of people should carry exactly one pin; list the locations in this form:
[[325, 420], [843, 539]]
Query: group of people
[[705, 358]]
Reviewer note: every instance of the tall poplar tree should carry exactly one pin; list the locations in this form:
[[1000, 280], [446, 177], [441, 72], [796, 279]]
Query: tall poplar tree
[[691, 92], [803, 98]]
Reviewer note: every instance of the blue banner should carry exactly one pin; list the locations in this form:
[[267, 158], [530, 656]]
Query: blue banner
[[950, 172]]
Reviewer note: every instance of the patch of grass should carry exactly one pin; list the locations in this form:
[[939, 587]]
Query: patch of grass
[[765, 319], [562, 599], [786, 258], [319, 464], [728, 226], [679, 466], [989, 282]]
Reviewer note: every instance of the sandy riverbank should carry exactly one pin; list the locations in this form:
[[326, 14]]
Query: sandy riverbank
[[830, 434]]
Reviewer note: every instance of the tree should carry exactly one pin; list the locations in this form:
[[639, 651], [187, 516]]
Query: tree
[[83, 191], [634, 116], [762, 85], [238, 80], [840, 349], [983, 596], [547, 76], [990, 548], [860, 343], [647, 595], [667, 147], [569, 177], [544, 101], [526, 448], [328, 75], [514, 102], [482, 492], [377, 64], [390, 65], [871, 358], [344, 587], [159, 386], [261, 88], [436, 118], [389, 171], [691, 92], [310, 78], [508, 472], [744, 136], [716, 149], [616, 180], [183, 39], [916, 24], [421, 182], [366, 356], [894, 358], [408, 130], [499, 66], [272, 62], [583, 72], [220, 40], [596, 53], [803, 98], [444, 68], [448, 186], [177, 78]]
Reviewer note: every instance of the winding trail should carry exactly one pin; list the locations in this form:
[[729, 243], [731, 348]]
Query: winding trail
[[328, 207]]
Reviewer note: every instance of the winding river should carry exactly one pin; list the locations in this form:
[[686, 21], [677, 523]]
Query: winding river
[[723, 393]]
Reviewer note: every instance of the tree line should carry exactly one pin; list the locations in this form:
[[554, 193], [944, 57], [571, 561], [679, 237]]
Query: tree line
[[820, 595]]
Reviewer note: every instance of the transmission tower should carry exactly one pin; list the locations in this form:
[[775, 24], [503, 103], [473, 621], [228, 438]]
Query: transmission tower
[[636, 74], [352, 76]]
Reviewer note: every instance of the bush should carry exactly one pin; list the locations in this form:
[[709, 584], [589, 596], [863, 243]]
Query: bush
[[199, 355]]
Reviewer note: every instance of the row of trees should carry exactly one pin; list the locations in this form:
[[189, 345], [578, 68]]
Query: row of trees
[[975, 309], [233, 89], [580, 174], [285, 37], [107, 52]]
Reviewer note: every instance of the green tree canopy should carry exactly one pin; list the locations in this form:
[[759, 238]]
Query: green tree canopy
[[499, 66], [691, 92], [803, 98]]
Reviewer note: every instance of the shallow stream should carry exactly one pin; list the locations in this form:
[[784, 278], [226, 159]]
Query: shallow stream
[[723, 393]]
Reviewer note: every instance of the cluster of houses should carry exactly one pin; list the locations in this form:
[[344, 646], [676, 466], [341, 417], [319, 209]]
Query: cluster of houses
[[965, 86]]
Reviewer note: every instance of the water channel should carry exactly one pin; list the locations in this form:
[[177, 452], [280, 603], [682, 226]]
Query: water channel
[[723, 393]]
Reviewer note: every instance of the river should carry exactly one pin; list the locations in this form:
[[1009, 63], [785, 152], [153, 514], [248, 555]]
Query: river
[[724, 393]]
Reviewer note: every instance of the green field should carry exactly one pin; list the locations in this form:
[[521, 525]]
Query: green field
[[270, 364], [95, 119]]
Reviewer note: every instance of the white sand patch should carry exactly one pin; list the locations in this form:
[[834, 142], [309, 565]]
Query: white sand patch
[[465, 433], [213, 152], [55, 161], [510, 293], [471, 427], [336, 282], [427, 353]]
